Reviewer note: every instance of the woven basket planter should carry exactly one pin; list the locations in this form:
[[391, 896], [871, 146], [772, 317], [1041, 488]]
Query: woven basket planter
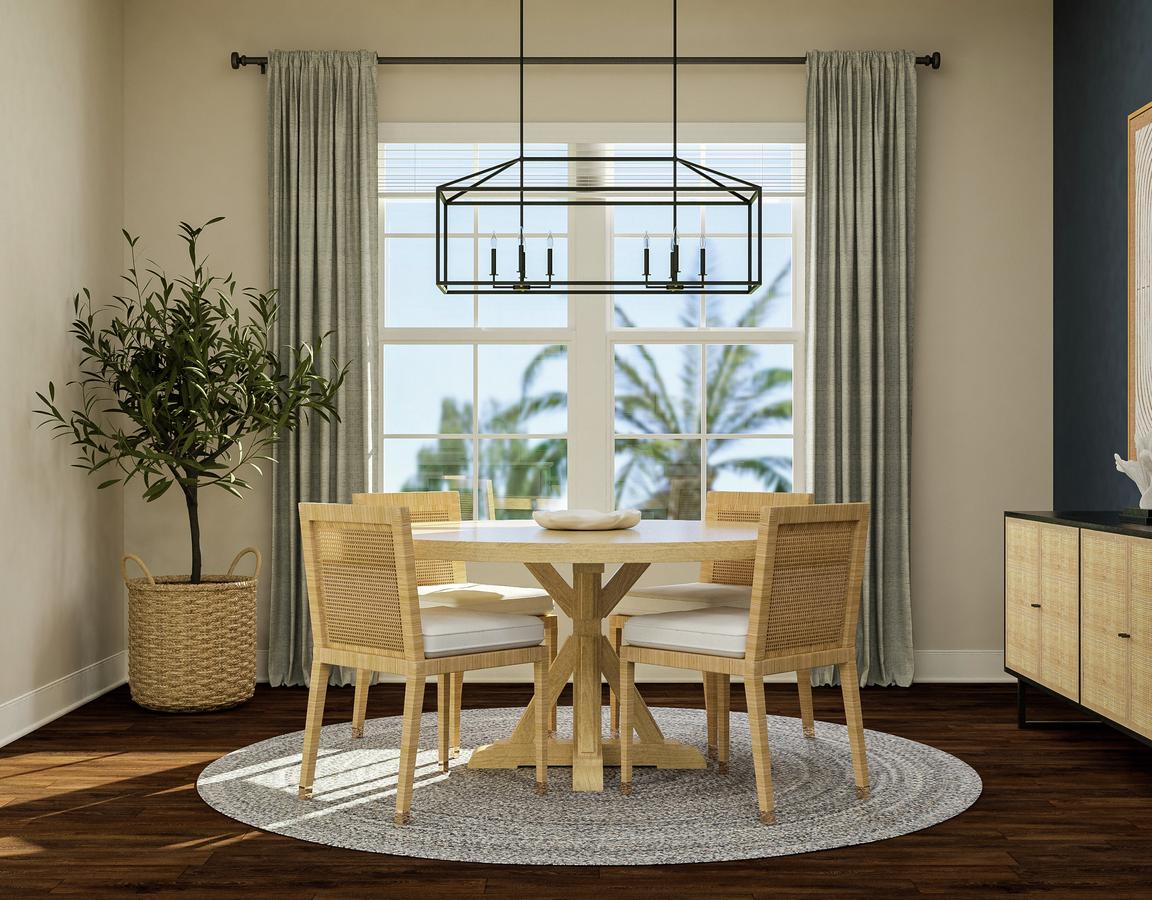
[[192, 647]]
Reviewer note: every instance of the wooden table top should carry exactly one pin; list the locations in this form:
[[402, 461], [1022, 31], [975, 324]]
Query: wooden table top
[[652, 540]]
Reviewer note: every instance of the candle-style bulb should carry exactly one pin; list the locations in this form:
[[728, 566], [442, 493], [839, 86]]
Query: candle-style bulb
[[549, 240], [493, 240], [645, 240]]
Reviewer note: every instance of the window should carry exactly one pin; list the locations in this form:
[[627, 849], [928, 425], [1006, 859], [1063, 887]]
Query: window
[[588, 401]]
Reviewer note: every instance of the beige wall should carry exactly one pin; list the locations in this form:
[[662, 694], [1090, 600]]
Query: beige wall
[[194, 148], [61, 195]]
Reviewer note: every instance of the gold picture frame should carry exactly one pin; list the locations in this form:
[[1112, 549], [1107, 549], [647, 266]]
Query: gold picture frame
[[1139, 275]]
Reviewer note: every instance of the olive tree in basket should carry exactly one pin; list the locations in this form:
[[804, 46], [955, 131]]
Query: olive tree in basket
[[180, 389]]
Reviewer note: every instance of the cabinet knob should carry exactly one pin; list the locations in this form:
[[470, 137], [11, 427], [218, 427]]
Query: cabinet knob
[[1123, 634], [1034, 605]]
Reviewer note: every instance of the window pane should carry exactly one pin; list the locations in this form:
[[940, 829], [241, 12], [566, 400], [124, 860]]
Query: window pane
[[771, 304], [427, 389], [407, 216], [519, 475], [733, 218], [749, 388], [537, 310], [411, 297], [659, 477], [657, 388], [540, 309], [537, 219], [660, 309], [638, 219], [428, 464], [750, 464], [523, 388]]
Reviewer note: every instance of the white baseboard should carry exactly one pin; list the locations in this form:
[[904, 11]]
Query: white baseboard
[[932, 666], [38, 707]]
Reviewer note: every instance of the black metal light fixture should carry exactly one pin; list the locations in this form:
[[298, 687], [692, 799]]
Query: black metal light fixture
[[671, 181]]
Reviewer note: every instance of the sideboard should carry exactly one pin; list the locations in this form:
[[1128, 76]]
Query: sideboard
[[1078, 613]]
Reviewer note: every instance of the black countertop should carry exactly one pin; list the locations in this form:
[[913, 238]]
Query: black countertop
[[1096, 520]]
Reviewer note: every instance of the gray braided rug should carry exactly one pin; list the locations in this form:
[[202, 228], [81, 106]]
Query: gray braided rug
[[674, 816]]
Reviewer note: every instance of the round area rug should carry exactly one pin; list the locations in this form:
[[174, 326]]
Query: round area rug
[[673, 816]]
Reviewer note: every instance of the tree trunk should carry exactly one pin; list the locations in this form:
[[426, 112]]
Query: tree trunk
[[193, 501]]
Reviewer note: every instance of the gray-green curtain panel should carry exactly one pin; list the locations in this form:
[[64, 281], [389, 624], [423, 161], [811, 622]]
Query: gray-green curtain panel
[[861, 171], [322, 186]]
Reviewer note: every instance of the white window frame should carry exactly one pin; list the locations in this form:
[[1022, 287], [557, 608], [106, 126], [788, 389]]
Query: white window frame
[[591, 334]]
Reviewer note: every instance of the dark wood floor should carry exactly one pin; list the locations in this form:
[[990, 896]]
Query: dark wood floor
[[102, 803]]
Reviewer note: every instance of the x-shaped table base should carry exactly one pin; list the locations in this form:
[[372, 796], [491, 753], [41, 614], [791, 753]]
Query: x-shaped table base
[[585, 657]]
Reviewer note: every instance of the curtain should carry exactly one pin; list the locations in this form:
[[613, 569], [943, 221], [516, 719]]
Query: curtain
[[322, 187], [861, 170]]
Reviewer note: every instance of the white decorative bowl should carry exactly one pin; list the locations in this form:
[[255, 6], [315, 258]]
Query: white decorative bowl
[[585, 519]]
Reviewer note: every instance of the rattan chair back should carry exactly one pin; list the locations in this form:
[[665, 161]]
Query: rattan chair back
[[809, 571], [361, 572], [740, 506], [425, 507]]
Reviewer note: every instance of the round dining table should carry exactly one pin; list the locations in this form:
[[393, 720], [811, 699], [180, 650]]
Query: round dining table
[[587, 654]]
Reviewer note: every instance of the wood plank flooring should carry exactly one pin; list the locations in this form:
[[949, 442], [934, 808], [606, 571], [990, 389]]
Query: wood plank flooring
[[102, 803]]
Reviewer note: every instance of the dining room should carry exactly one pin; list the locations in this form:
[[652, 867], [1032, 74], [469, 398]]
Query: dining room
[[520, 448]]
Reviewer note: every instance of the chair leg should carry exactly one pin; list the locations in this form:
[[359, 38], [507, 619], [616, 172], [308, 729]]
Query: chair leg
[[455, 705], [761, 755], [850, 688], [409, 743], [360, 702], [710, 681], [804, 688], [723, 714], [444, 717], [551, 642], [616, 639], [542, 730], [317, 692], [627, 680]]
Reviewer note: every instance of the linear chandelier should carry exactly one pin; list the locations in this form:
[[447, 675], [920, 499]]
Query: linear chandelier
[[530, 183]]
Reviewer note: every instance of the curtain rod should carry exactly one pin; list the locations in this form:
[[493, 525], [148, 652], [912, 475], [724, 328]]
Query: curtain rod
[[931, 60]]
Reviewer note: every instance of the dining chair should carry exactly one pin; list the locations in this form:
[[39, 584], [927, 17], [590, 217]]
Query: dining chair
[[366, 613], [805, 603], [722, 583], [445, 583]]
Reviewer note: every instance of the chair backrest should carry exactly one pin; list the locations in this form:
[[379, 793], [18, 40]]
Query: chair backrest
[[361, 572], [809, 570], [425, 506], [740, 506]]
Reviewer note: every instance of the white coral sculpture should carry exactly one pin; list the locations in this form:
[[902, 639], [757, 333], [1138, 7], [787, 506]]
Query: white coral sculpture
[[1140, 468]]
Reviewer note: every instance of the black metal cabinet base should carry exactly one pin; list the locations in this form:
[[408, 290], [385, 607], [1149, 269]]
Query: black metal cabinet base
[[1023, 684]]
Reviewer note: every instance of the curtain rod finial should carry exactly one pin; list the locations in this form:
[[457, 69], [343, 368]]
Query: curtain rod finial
[[235, 59]]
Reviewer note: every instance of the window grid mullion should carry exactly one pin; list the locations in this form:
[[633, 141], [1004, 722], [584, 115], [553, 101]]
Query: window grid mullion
[[702, 336]]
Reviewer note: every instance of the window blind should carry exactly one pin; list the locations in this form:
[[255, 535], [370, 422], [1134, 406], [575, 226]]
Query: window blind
[[419, 168]]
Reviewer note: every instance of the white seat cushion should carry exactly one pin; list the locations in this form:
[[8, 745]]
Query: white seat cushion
[[453, 632], [715, 630], [693, 595], [501, 598]]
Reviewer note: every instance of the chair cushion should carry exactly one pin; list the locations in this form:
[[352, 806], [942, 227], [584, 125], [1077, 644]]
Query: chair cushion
[[501, 598], [449, 631], [714, 630], [693, 595]]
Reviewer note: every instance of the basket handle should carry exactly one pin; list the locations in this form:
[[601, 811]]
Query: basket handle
[[240, 556], [136, 559]]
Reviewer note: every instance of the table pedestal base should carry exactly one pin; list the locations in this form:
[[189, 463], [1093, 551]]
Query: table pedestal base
[[586, 657]]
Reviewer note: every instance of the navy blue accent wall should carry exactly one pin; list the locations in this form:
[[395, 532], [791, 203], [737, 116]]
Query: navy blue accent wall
[[1102, 72]]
